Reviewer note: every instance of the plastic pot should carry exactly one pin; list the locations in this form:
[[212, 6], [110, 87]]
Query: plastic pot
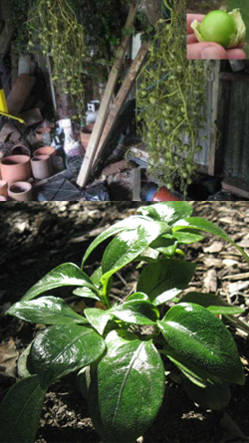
[[41, 166], [3, 199], [20, 191], [15, 168]]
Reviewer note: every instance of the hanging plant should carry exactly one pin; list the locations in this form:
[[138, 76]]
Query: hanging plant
[[170, 97], [55, 27]]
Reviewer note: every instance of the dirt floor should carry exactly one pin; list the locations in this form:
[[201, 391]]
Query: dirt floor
[[36, 237]]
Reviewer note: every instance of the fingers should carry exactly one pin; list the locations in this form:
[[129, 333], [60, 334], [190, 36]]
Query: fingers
[[206, 51], [191, 18], [237, 54]]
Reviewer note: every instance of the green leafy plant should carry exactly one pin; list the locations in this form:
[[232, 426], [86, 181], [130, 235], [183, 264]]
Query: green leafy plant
[[120, 350]]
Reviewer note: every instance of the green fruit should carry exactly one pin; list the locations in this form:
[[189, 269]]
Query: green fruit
[[226, 28], [218, 26]]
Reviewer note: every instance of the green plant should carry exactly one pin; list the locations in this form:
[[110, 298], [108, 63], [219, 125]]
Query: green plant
[[171, 102], [119, 350], [55, 27], [225, 28]]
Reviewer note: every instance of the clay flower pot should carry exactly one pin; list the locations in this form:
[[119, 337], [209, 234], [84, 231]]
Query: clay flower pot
[[15, 168], [3, 188], [84, 138], [20, 191], [164, 195], [20, 149], [41, 166], [45, 150]]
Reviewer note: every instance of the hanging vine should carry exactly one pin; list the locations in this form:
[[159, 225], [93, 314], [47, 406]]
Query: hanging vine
[[170, 99], [54, 25]]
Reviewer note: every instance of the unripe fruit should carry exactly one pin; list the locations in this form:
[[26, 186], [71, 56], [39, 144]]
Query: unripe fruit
[[218, 26], [225, 28]]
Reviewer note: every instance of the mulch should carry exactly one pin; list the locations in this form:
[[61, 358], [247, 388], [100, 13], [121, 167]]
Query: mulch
[[36, 237]]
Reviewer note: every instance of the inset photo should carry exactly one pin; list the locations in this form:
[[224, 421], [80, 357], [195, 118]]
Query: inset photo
[[217, 31]]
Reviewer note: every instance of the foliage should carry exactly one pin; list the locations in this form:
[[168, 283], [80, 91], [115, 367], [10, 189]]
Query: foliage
[[171, 97], [120, 350], [18, 19], [55, 26]]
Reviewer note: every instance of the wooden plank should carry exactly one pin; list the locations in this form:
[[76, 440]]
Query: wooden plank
[[214, 115], [104, 106], [121, 97], [236, 187], [234, 76]]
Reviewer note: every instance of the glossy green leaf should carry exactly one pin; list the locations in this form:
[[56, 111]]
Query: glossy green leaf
[[57, 351], [96, 275], [67, 274], [98, 318], [207, 226], [130, 223], [168, 212], [47, 310], [127, 388], [137, 309], [198, 340], [165, 244], [187, 236], [226, 310], [20, 411], [212, 302], [128, 245], [165, 279], [213, 396], [85, 292]]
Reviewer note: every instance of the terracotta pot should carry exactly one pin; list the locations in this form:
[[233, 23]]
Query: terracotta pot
[[3, 199], [45, 150], [3, 188], [84, 138], [41, 166], [20, 191], [164, 195], [20, 149], [15, 168]]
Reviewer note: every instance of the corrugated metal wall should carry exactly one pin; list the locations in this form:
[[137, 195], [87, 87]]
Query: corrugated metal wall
[[233, 123]]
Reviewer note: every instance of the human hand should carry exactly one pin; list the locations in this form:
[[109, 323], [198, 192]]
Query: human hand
[[208, 50]]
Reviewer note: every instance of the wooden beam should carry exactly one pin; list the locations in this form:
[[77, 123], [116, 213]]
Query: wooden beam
[[214, 116], [105, 103], [121, 97]]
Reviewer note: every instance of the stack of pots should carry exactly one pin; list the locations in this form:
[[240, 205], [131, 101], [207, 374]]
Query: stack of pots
[[18, 167]]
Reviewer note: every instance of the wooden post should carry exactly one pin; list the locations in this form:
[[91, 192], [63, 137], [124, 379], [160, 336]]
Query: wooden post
[[104, 106], [121, 97], [214, 116]]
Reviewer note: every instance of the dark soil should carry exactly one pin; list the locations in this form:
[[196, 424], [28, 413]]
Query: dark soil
[[36, 237]]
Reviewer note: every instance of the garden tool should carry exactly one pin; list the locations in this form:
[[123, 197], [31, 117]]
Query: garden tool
[[4, 107]]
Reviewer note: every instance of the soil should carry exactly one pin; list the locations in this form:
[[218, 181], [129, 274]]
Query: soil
[[38, 236]]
